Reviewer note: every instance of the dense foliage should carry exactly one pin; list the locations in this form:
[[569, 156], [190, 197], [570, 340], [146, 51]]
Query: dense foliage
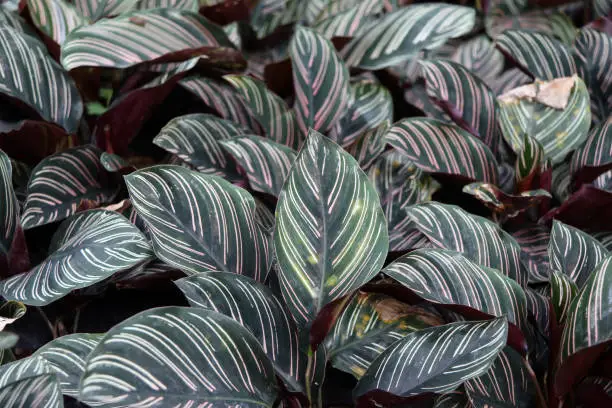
[[305, 203]]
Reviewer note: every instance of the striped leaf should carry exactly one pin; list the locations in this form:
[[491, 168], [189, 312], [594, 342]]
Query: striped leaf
[[370, 145], [369, 105], [268, 15], [480, 240], [61, 182], [264, 217], [349, 22], [11, 311], [191, 5], [562, 292], [67, 355], [538, 54], [400, 184], [455, 399], [320, 80], [539, 310], [195, 138], [505, 205], [87, 248], [480, 56], [51, 93], [449, 278], [113, 163], [34, 392], [223, 98], [533, 240], [146, 275], [178, 357], [529, 165], [133, 38], [594, 50], [266, 163], [11, 233], [436, 359], [11, 18], [269, 109], [574, 252], [595, 154], [200, 222], [256, 308], [464, 97], [330, 235], [561, 181], [413, 28], [438, 147], [555, 113], [368, 325], [97, 9], [25, 368], [507, 383], [588, 328], [510, 79], [55, 18]]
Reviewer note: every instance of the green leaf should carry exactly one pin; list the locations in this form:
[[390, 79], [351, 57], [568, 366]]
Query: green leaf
[[574, 252], [320, 79], [87, 248], [413, 28], [540, 55], [269, 109], [480, 56], [437, 359], [11, 311], [11, 18], [97, 9], [52, 93], [22, 369], [200, 222], [178, 356], [508, 383], [480, 240], [449, 278], [439, 147], [453, 400], [9, 211], [7, 341], [41, 391], [562, 292], [464, 97], [330, 235], [533, 240], [113, 162], [349, 22], [555, 113], [594, 50], [268, 15], [60, 183], [256, 308], [135, 39], [595, 152], [266, 163], [399, 184], [55, 18], [195, 138], [370, 145], [368, 325], [588, 327], [530, 162], [67, 355], [224, 99], [369, 105]]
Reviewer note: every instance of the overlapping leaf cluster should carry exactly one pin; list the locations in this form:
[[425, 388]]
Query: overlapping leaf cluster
[[305, 203]]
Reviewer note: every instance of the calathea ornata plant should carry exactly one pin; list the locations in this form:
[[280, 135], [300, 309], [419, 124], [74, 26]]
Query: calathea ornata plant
[[305, 203]]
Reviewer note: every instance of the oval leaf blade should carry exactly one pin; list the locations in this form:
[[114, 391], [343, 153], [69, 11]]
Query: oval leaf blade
[[330, 235], [32, 392], [437, 359], [200, 222], [178, 356], [87, 248], [255, 307], [320, 79], [438, 147], [413, 28], [482, 241], [61, 182], [133, 38]]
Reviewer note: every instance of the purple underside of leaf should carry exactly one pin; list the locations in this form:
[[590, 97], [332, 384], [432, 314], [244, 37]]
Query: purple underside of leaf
[[31, 141], [589, 173], [576, 367], [589, 208]]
